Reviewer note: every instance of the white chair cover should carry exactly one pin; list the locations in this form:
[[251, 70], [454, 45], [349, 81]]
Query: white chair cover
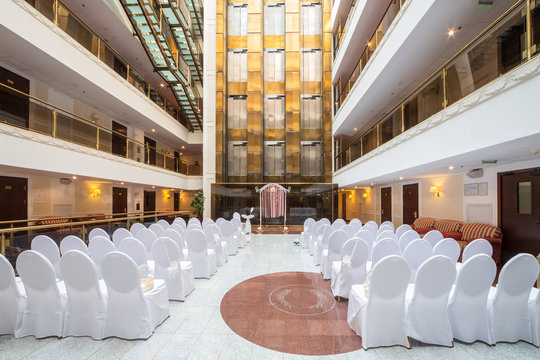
[[407, 238], [134, 229], [177, 274], [321, 246], [164, 224], [356, 224], [335, 243], [382, 249], [372, 224], [385, 227], [475, 247], [203, 258], [12, 299], [467, 306], [72, 242], [216, 242], [351, 270], [98, 247], [509, 318], [147, 237], [194, 220], [48, 248], [180, 221], [349, 229], [98, 232], [415, 254], [379, 318], [174, 234], [137, 252], [206, 222], [387, 223], [314, 238], [402, 229], [325, 221], [368, 237], [338, 224], [372, 228], [304, 236], [236, 215], [449, 248], [386, 234], [182, 231], [219, 221], [86, 305], [239, 232], [433, 237], [427, 302], [229, 235], [157, 229], [534, 313], [119, 235], [44, 313], [131, 314]]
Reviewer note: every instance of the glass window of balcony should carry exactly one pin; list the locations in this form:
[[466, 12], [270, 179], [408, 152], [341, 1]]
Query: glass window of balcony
[[237, 19], [535, 25], [274, 18], [237, 158], [274, 111], [310, 111], [311, 158], [237, 66], [310, 19], [390, 128], [426, 102], [274, 158], [237, 112], [310, 66], [369, 141], [274, 65]]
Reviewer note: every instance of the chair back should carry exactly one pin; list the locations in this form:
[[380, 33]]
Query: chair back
[[220, 220], [383, 248], [308, 223], [181, 230], [328, 230], [415, 254], [475, 247], [388, 282], [449, 248], [9, 297], [349, 229], [119, 235], [72, 242], [335, 243], [164, 223], [147, 237], [372, 228], [197, 242], [164, 252], [157, 229], [338, 224], [98, 247], [48, 248], [194, 220], [134, 229], [180, 221], [368, 237], [360, 254], [433, 237], [193, 225], [98, 232], [434, 280], [137, 252], [209, 231], [356, 224], [206, 222], [173, 234], [386, 233], [402, 229], [407, 237], [325, 221], [387, 223], [373, 224], [348, 247], [236, 215]]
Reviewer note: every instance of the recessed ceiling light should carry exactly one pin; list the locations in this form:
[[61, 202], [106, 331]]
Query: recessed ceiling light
[[355, 129], [451, 167], [183, 147], [162, 85], [153, 187], [180, 153], [153, 130], [122, 183], [371, 184], [401, 178], [451, 32], [356, 187], [74, 177]]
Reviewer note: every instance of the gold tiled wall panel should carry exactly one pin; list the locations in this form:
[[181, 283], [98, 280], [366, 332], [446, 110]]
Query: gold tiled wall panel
[[237, 42], [274, 87], [292, 119], [274, 134], [274, 41], [237, 88]]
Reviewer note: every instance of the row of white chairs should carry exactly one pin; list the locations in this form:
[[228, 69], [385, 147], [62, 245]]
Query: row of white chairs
[[436, 309]]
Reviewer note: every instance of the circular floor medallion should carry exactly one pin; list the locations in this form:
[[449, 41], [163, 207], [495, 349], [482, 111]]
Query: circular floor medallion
[[291, 312]]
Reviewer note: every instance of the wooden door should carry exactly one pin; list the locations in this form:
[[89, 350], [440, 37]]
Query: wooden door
[[13, 198], [119, 136], [149, 203], [344, 206], [176, 202], [119, 201], [386, 204], [149, 151], [519, 212], [410, 203], [14, 107]]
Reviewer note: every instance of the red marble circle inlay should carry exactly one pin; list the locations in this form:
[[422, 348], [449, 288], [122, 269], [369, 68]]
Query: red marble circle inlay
[[292, 312]]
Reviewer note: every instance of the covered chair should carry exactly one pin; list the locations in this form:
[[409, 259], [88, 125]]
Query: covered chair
[[402, 229], [177, 274], [449, 248], [322, 245], [119, 235], [157, 229], [134, 229], [381, 249], [131, 314], [351, 270], [206, 222], [239, 232], [534, 313], [433, 237], [12, 298], [220, 220], [72, 242], [467, 306], [338, 223], [86, 305], [164, 224], [137, 252], [316, 236], [44, 313], [509, 318], [98, 247], [356, 224], [48, 248], [229, 235], [368, 237], [173, 234], [387, 223], [203, 258], [98, 232], [475, 247], [407, 238], [180, 221], [335, 243], [415, 254], [147, 237], [182, 231], [349, 229], [216, 242], [304, 236], [194, 220], [386, 234], [378, 314], [427, 302], [325, 221]]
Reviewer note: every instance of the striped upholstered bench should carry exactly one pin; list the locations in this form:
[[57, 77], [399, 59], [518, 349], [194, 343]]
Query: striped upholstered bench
[[423, 225], [449, 228], [491, 233]]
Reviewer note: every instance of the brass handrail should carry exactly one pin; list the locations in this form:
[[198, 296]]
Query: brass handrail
[[89, 122], [432, 76]]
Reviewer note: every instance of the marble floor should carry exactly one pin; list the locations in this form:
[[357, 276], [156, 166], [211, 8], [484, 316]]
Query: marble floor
[[196, 330]]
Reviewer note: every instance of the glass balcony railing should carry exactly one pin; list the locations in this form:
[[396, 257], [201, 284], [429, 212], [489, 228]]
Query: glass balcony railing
[[53, 121], [342, 89], [511, 40], [71, 24]]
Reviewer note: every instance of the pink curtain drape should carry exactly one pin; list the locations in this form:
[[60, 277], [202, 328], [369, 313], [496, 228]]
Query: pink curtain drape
[[273, 201]]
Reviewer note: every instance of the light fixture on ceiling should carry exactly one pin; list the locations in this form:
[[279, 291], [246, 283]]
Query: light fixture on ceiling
[[401, 178], [153, 187], [183, 147], [453, 31], [74, 177], [451, 167], [162, 85], [122, 183], [355, 129], [371, 184], [153, 130], [436, 191]]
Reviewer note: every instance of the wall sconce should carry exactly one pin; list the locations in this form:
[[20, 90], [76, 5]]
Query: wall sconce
[[95, 193], [436, 191], [365, 195]]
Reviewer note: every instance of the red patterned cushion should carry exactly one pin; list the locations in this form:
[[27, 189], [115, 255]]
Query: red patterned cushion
[[453, 235], [447, 225], [424, 222], [476, 231]]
